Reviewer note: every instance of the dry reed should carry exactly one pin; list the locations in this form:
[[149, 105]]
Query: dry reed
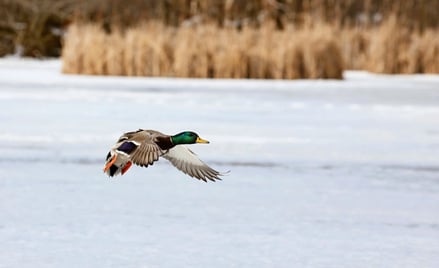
[[207, 51], [391, 49], [429, 52], [204, 52]]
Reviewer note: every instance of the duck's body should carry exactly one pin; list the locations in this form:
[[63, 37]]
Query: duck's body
[[144, 147]]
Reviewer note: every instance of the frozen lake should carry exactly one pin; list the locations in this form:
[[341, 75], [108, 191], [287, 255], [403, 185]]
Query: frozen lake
[[323, 173]]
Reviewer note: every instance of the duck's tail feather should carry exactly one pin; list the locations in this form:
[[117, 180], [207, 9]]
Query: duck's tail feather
[[112, 170], [116, 164]]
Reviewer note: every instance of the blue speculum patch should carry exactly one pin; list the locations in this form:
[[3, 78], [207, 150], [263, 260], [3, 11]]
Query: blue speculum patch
[[127, 147]]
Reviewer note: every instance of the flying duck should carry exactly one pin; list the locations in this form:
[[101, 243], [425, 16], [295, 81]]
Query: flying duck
[[144, 147]]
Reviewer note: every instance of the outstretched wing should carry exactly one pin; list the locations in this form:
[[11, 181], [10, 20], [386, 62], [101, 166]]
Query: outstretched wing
[[186, 161], [145, 151]]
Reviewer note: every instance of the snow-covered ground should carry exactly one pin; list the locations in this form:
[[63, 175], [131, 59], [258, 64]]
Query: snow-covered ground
[[323, 173]]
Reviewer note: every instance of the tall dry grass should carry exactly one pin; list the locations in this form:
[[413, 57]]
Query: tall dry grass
[[427, 51], [204, 51], [208, 51], [391, 49]]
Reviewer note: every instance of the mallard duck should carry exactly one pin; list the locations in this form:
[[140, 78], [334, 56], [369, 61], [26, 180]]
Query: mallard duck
[[144, 147]]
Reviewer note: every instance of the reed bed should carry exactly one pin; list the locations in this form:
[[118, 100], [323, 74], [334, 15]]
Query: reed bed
[[404, 52], [209, 51], [203, 51], [391, 49]]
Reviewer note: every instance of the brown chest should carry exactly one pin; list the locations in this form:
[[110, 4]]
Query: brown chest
[[164, 143]]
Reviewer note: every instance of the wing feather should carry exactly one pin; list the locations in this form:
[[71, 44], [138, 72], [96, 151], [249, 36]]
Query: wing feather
[[187, 162], [148, 151]]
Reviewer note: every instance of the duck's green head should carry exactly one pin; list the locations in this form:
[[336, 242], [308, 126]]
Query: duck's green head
[[187, 137]]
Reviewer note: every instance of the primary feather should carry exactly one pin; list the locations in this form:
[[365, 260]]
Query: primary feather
[[186, 161]]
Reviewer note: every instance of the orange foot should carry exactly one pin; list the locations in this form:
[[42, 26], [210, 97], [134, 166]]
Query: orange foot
[[109, 164], [126, 167]]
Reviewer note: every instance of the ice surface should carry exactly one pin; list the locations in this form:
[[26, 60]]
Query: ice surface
[[323, 173]]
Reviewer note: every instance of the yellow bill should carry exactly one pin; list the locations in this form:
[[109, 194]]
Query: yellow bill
[[200, 140]]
